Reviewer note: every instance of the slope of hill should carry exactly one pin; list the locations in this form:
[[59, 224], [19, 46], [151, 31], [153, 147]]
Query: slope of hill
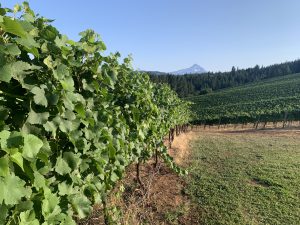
[[274, 99], [193, 84]]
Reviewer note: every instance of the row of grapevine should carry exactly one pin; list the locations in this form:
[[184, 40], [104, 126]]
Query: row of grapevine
[[71, 120], [272, 100]]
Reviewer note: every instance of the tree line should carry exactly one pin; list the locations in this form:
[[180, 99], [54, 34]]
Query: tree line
[[198, 84]]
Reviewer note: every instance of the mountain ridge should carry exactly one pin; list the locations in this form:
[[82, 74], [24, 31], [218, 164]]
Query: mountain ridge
[[194, 69]]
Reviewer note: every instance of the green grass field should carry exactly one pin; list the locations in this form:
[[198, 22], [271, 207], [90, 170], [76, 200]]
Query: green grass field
[[246, 177]]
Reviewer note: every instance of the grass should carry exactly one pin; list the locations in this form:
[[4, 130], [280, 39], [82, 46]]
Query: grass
[[246, 178]]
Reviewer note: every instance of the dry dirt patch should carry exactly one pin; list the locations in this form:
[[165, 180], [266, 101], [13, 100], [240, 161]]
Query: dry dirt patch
[[180, 149]]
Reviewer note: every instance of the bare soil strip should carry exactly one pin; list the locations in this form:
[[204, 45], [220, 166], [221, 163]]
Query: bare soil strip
[[162, 202]]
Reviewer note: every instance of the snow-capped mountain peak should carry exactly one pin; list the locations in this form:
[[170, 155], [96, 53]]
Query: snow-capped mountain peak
[[191, 70]]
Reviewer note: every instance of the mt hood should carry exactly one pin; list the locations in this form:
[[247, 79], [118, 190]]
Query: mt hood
[[192, 70]]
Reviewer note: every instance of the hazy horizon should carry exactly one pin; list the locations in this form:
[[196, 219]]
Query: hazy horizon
[[171, 35]]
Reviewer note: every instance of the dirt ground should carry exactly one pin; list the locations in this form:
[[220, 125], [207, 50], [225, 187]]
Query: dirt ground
[[162, 201]]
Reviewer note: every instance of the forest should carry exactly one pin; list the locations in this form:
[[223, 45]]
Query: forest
[[198, 84]]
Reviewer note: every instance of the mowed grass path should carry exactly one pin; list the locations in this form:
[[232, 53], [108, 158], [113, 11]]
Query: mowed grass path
[[246, 177]]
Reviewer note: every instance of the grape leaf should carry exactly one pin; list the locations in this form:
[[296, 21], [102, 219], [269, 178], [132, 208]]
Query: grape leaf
[[65, 189], [16, 70], [28, 218], [82, 205], [39, 180], [68, 83], [50, 206], [32, 146], [4, 166], [13, 27], [61, 72], [62, 166], [3, 213], [37, 118], [12, 49], [39, 96], [18, 159], [12, 190], [72, 160], [4, 135]]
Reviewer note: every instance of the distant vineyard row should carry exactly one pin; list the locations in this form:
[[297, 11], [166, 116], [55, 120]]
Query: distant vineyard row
[[277, 99], [71, 120]]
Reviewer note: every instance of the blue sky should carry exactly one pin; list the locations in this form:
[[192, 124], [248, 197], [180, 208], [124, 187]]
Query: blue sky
[[168, 35]]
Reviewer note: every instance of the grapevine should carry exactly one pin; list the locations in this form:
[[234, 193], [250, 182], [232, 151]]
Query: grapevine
[[71, 120], [268, 101]]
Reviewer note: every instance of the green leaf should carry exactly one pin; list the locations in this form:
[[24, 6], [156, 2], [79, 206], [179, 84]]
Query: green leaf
[[4, 166], [67, 83], [13, 27], [49, 62], [37, 118], [16, 70], [65, 189], [82, 205], [4, 135], [65, 126], [39, 180], [32, 146], [61, 42], [27, 26], [62, 166], [61, 72], [15, 140], [69, 115], [28, 218], [68, 221], [3, 213], [49, 33], [50, 207], [114, 177], [79, 108], [51, 127], [72, 160], [39, 96], [30, 44], [18, 159], [28, 17], [17, 8], [12, 190], [12, 49], [5, 73], [24, 206]]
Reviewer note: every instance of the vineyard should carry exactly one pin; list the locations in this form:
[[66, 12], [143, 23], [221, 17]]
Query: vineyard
[[271, 100], [72, 120]]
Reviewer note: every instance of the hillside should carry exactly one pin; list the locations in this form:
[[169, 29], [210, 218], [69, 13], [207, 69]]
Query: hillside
[[193, 84], [274, 99]]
